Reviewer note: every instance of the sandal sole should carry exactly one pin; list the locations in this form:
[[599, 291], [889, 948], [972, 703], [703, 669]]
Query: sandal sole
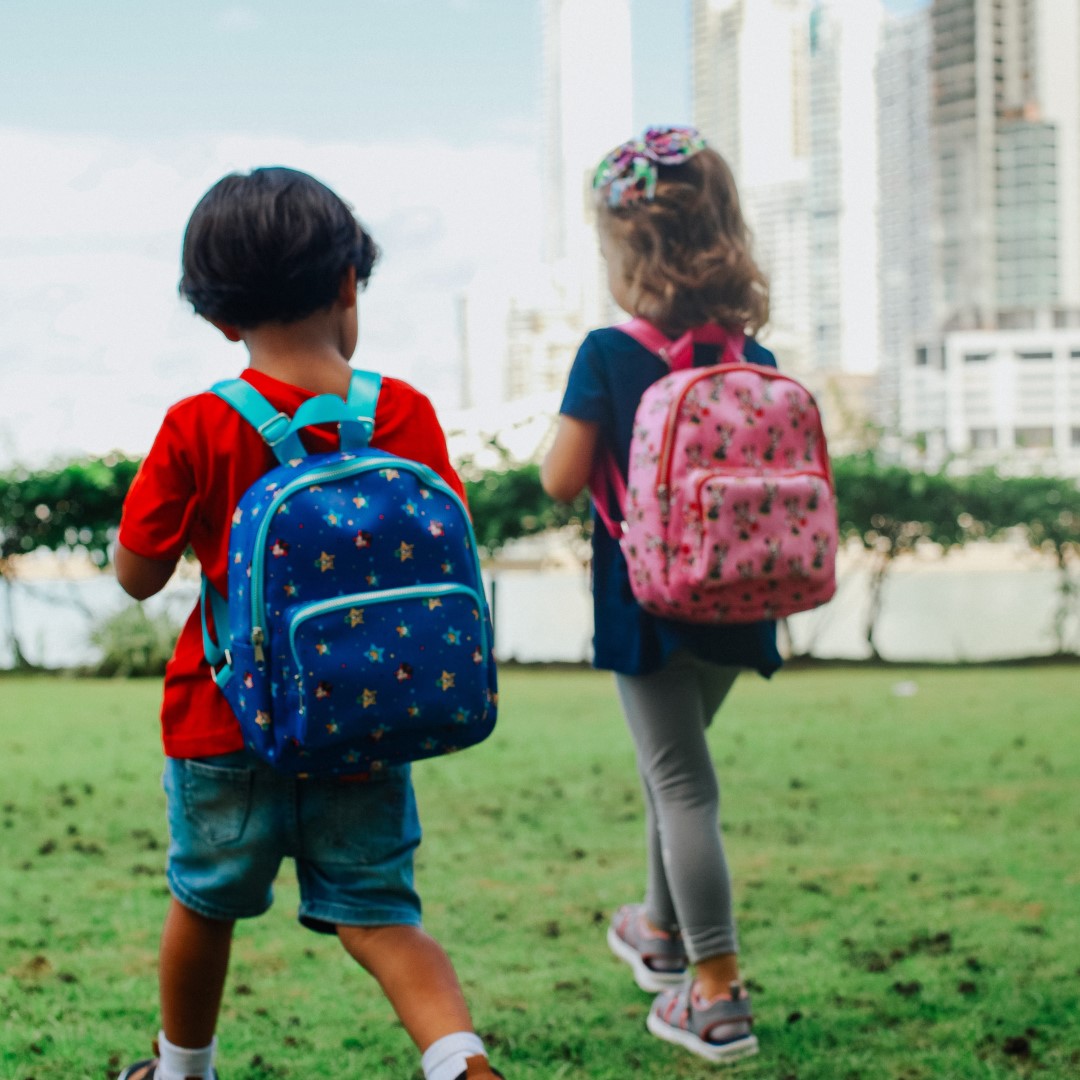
[[714, 1052]]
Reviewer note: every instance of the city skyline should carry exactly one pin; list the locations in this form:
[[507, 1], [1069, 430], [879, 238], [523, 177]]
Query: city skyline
[[109, 137]]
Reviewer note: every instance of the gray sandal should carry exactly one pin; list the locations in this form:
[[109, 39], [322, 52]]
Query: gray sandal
[[659, 960], [719, 1031]]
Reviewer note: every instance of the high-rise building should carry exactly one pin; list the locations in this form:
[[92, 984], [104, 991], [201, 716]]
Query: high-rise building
[[994, 382], [906, 200], [587, 111], [843, 186], [534, 323], [750, 100], [1005, 119], [784, 90]]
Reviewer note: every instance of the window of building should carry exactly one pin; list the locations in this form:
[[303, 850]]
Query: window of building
[[922, 356], [976, 357], [1040, 354], [1075, 440], [1035, 438], [983, 438]]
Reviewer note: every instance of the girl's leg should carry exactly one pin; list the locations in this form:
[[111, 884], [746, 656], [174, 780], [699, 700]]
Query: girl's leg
[[194, 960], [668, 713]]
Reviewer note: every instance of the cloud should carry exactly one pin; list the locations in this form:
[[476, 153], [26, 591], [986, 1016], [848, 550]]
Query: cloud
[[96, 343]]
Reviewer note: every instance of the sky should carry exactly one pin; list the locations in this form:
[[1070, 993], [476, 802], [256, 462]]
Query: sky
[[116, 116]]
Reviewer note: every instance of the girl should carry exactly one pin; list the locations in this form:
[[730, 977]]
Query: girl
[[677, 253]]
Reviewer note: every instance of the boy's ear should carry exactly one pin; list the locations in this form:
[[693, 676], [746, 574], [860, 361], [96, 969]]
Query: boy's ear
[[347, 289], [231, 332]]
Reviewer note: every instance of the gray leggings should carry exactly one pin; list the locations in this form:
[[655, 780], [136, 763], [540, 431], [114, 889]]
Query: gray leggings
[[689, 886]]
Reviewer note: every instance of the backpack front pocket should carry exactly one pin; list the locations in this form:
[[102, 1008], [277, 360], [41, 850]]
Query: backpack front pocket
[[391, 676], [766, 543]]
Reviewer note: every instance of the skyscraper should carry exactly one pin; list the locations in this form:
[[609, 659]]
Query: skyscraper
[[750, 100], [843, 185], [784, 90], [1005, 119], [906, 204], [587, 111]]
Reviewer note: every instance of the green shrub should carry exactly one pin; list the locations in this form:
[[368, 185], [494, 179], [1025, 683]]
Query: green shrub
[[134, 643]]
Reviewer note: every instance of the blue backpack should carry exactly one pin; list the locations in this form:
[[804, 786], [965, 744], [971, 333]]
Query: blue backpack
[[356, 634]]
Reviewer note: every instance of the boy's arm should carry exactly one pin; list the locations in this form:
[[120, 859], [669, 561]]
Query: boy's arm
[[139, 576]]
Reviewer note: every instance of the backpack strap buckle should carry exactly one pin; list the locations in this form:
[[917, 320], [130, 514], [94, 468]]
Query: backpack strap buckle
[[275, 429]]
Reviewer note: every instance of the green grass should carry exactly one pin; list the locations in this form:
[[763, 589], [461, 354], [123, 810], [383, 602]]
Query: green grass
[[907, 886]]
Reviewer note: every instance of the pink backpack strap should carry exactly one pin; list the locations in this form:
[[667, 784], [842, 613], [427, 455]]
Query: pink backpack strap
[[679, 354], [606, 480]]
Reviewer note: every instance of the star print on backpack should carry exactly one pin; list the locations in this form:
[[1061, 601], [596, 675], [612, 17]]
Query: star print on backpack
[[356, 634]]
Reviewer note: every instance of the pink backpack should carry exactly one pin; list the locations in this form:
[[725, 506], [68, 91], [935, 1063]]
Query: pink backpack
[[729, 514]]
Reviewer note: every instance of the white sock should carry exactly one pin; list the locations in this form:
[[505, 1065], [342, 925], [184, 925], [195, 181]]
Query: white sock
[[179, 1063], [445, 1058]]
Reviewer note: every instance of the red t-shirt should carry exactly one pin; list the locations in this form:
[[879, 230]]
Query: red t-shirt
[[203, 459]]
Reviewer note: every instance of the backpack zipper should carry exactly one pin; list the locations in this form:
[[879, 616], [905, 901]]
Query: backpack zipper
[[321, 607], [667, 445], [331, 472]]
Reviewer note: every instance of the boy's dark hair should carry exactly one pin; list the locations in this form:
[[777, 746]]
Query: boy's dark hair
[[271, 245]]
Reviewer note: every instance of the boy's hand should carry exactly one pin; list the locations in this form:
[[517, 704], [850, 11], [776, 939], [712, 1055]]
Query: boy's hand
[[139, 576]]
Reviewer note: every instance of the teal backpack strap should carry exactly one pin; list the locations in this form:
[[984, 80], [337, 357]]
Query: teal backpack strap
[[355, 416], [216, 652], [273, 426], [363, 400]]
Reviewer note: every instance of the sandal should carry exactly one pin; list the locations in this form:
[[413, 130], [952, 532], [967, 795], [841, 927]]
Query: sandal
[[659, 960], [719, 1030], [146, 1070]]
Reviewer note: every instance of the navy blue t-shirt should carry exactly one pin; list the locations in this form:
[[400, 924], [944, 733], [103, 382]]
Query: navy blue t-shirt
[[609, 375]]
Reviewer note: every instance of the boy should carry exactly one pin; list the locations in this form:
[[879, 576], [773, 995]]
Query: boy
[[275, 259]]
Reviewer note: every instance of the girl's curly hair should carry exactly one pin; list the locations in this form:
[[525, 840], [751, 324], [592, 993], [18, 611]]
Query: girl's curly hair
[[686, 252]]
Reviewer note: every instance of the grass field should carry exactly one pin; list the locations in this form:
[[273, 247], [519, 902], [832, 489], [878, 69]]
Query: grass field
[[907, 882]]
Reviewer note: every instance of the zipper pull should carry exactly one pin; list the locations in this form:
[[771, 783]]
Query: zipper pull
[[257, 640]]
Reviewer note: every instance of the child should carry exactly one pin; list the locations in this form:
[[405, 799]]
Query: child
[[275, 259], [677, 253]]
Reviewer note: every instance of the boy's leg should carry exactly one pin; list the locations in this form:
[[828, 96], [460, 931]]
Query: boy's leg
[[193, 964], [355, 868], [415, 974]]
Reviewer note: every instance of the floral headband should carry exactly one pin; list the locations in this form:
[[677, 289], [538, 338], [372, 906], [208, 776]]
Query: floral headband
[[630, 173]]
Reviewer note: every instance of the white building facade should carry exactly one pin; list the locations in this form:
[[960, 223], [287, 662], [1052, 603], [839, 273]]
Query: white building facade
[[995, 397]]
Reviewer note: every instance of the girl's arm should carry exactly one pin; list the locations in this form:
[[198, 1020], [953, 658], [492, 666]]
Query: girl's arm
[[569, 462], [139, 576]]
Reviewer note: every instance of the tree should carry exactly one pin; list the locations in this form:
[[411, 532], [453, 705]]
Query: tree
[[1047, 510], [73, 507], [508, 503], [891, 511]]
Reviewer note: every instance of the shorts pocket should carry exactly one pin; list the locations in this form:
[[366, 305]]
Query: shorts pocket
[[217, 797]]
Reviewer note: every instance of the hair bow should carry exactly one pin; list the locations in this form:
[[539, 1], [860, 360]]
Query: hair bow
[[629, 172]]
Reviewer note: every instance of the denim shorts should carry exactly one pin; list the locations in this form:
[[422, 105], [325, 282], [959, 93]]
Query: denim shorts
[[232, 819]]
